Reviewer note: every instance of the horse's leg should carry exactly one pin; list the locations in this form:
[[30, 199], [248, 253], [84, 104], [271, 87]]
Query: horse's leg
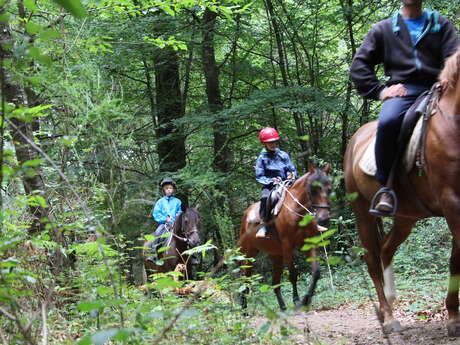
[[371, 241], [453, 325], [277, 262], [398, 234], [315, 275], [293, 275], [451, 212]]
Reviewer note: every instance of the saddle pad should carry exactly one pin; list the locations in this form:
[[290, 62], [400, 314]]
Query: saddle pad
[[368, 165], [279, 204]]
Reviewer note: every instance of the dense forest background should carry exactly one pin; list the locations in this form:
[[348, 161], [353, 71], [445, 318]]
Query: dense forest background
[[101, 100]]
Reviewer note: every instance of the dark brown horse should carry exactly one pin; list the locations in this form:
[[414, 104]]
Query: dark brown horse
[[308, 195], [436, 193], [185, 234]]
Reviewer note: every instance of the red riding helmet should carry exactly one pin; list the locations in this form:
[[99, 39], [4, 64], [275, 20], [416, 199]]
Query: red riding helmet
[[268, 134]]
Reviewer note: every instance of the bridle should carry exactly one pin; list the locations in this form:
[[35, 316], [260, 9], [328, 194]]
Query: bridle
[[185, 239], [310, 196]]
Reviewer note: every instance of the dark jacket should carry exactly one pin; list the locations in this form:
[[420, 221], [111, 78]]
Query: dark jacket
[[389, 42], [273, 164]]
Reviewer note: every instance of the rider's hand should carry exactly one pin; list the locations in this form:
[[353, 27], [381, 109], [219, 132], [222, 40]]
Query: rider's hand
[[276, 180], [168, 220], [396, 90], [290, 175]]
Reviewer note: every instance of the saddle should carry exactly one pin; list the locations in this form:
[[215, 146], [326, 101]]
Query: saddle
[[411, 140], [163, 237], [274, 202], [276, 198]]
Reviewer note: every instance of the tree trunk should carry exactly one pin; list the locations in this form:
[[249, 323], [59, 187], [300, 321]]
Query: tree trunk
[[222, 154], [26, 150], [222, 158], [171, 140], [283, 66], [22, 135]]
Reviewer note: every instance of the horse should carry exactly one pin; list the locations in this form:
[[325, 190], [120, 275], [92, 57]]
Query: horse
[[185, 234], [309, 195], [435, 194]]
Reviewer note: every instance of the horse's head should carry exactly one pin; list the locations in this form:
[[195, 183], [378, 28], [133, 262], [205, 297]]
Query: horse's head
[[191, 226], [319, 188]]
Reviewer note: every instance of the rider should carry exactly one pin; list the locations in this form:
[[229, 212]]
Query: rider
[[165, 211], [272, 167], [412, 46]]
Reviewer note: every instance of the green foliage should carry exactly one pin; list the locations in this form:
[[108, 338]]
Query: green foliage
[[87, 88]]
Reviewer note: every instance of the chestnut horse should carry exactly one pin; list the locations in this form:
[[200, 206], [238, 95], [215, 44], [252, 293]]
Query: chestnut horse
[[307, 196], [435, 194], [185, 235]]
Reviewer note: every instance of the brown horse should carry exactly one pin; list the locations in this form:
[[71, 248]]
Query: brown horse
[[185, 234], [308, 195], [436, 193]]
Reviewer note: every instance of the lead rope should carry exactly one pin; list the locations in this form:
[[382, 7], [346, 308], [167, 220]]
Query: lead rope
[[320, 233]]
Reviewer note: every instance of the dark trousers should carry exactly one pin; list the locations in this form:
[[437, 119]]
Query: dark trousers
[[389, 124], [264, 193]]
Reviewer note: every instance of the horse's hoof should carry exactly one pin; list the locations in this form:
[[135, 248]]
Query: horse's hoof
[[453, 329], [392, 327]]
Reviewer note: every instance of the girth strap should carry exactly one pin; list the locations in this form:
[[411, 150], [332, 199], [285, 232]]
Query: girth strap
[[429, 111]]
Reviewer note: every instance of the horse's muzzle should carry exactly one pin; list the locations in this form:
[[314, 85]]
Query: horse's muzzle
[[323, 221]]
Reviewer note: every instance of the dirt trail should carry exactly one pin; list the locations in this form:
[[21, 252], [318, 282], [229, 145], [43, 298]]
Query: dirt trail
[[359, 326]]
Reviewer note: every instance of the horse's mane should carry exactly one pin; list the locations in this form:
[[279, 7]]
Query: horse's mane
[[451, 70], [317, 175], [178, 223]]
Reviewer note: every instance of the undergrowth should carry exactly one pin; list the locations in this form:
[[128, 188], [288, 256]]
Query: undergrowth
[[96, 304]]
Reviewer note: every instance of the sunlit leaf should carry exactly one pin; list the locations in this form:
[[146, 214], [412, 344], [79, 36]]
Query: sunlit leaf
[[306, 220], [265, 288], [200, 249], [33, 162], [74, 7], [4, 17], [33, 28], [351, 196], [37, 200], [334, 260], [68, 141], [49, 34], [30, 4], [166, 282]]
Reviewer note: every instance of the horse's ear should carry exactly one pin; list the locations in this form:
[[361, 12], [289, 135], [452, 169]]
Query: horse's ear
[[311, 167], [197, 206], [327, 168]]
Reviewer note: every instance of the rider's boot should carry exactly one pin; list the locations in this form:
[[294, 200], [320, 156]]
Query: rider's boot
[[264, 230], [385, 203]]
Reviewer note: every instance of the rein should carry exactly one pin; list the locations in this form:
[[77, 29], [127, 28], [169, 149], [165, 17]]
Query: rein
[[184, 239], [297, 202], [300, 204], [180, 238]]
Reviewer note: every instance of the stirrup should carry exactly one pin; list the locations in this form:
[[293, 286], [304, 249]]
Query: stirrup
[[376, 198], [261, 232]]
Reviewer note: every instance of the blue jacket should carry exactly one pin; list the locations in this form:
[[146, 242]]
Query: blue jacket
[[272, 164], [166, 207]]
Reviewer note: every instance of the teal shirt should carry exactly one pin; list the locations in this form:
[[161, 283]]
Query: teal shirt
[[167, 206], [415, 27]]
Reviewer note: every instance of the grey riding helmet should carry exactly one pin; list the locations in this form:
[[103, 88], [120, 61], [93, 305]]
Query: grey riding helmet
[[167, 180]]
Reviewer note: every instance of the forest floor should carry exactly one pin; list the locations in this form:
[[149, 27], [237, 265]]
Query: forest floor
[[358, 325]]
